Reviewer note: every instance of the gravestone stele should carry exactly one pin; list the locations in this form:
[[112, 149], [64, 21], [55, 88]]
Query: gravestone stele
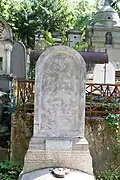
[[18, 60], [59, 114], [104, 73]]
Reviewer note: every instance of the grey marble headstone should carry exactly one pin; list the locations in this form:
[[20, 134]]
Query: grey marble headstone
[[60, 93], [18, 60], [59, 116]]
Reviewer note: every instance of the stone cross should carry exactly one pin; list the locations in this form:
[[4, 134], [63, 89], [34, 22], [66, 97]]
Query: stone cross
[[59, 114]]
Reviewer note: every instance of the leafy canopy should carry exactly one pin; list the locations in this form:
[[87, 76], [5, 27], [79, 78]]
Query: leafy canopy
[[27, 16]]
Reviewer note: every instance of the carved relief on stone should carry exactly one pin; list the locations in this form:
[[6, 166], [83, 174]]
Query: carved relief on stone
[[108, 38], [2, 31], [59, 98]]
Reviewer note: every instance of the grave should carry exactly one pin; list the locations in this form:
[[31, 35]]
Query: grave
[[104, 73], [18, 60], [59, 116]]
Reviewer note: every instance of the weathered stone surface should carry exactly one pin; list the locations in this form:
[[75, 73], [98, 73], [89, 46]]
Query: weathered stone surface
[[18, 60], [77, 157], [21, 132], [45, 174], [60, 93], [58, 144]]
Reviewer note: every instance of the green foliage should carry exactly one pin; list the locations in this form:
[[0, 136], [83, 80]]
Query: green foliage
[[26, 17], [112, 172], [21, 19], [113, 121], [80, 46], [110, 105], [116, 6], [9, 170], [5, 125], [53, 15], [31, 73], [48, 38], [4, 8], [83, 13]]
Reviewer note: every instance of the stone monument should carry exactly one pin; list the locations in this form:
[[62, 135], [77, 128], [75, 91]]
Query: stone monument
[[18, 60], [59, 115]]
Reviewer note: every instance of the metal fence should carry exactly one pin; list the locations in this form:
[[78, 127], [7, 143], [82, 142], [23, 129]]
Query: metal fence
[[25, 94], [103, 98], [100, 98]]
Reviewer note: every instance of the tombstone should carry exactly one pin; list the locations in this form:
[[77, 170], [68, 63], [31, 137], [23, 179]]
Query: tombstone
[[28, 63], [59, 115], [74, 36], [18, 60], [104, 73]]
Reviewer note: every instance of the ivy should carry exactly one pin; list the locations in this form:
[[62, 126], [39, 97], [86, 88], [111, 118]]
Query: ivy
[[113, 120], [5, 124], [9, 170], [112, 172]]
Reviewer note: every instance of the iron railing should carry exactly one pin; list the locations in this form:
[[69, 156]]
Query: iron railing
[[25, 94], [100, 98], [103, 98]]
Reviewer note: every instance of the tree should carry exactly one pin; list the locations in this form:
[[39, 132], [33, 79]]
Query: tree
[[116, 6], [53, 15], [26, 17], [84, 12], [22, 22], [4, 6]]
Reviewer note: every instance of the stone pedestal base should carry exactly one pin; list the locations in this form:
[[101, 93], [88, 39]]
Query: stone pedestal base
[[45, 174], [58, 152]]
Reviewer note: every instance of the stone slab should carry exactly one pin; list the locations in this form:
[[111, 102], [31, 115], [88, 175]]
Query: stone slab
[[39, 159], [18, 60], [45, 174], [59, 145], [60, 93]]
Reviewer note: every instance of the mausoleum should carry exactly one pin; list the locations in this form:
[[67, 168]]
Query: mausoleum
[[6, 44], [104, 36]]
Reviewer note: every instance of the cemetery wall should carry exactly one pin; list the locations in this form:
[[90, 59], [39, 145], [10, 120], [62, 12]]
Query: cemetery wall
[[99, 135]]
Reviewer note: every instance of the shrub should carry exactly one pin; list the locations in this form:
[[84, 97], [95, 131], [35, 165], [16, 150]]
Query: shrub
[[111, 173], [9, 170]]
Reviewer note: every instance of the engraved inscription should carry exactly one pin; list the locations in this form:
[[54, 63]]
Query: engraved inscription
[[59, 98]]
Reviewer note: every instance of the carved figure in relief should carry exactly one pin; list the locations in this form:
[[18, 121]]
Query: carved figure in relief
[[60, 95], [2, 32], [108, 38]]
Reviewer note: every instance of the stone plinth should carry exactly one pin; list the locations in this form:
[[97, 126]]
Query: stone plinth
[[58, 152], [45, 174]]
